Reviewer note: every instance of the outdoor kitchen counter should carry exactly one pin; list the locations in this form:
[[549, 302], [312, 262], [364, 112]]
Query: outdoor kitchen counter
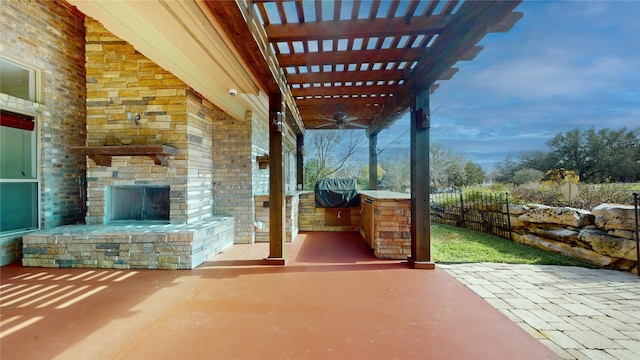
[[385, 223], [385, 195]]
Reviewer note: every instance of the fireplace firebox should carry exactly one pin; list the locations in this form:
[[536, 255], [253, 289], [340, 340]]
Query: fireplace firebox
[[140, 203]]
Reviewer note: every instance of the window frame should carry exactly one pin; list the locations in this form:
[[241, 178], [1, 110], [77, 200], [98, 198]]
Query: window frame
[[24, 109]]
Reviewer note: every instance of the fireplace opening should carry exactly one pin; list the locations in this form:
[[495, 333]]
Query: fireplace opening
[[140, 203]]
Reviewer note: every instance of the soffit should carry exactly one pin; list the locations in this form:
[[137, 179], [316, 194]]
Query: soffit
[[360, 60]]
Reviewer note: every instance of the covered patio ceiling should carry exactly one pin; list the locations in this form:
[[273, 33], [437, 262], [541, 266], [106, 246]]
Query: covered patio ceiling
[[354, 64]]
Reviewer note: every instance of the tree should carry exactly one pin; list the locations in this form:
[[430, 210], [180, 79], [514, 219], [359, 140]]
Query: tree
[[538, 160], [528, 175], [601, 156], [506, 170], [473, 174], [327, 153], [441, 159], [397, 176]]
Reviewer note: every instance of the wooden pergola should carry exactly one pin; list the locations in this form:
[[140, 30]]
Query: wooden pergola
[[358, 65], [343, 64]]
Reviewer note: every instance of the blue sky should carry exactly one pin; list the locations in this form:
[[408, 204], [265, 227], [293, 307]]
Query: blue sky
[[564, 65]]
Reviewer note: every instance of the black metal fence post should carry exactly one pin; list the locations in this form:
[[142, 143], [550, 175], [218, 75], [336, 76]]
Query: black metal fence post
[[509, 217], [636, 202], [461, 210]]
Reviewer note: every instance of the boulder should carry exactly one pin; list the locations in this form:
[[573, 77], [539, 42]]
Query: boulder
[[566, 249], [602, 243], [625, 234], [615, 217], [558, 215], [557, 234], [517, 209]]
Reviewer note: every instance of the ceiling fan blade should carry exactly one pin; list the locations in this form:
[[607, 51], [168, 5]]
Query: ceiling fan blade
[[350, 118], [358, 125], [322, 126], [326, 118]]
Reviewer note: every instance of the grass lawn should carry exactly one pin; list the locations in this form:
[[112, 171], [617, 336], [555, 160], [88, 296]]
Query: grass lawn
[[450, 244]]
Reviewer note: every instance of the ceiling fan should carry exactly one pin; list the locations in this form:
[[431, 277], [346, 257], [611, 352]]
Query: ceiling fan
[[341, 120]]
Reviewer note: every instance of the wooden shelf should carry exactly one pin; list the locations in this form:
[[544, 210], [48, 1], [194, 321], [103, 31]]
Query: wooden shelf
[[102, 155], [263, 161]]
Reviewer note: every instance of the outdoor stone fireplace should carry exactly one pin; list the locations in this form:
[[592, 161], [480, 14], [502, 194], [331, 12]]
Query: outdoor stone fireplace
[[149, 180]]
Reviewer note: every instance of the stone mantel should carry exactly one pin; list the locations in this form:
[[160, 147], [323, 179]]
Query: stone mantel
[[101, 155]]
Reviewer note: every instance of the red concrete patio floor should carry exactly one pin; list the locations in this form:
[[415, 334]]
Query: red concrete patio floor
[[333, 300]]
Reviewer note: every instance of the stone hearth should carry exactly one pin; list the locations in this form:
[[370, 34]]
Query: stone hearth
[[128, 246]]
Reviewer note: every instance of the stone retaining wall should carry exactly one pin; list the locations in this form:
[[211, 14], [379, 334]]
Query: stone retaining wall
[[603, 236]]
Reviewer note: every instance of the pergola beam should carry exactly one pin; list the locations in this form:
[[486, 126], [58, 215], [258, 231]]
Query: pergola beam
[[347, 76], [351, 57], [345, 90], [364, 28]]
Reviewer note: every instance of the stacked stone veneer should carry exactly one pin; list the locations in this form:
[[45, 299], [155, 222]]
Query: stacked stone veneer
[[128, 246], [311, 218], [263, 215], [121, 80], [48, 36], [390, 227], [235, 164]]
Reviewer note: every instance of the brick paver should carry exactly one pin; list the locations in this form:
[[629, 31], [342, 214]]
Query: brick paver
[[578, 313]]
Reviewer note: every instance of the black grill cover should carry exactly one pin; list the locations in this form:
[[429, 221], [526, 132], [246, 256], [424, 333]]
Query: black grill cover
[[337, 193]]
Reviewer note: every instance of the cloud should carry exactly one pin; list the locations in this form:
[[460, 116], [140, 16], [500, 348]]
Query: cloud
[[565, 65]]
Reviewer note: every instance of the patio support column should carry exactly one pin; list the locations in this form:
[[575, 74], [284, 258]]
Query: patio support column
[[373, 162], [300, 161], [276, 181], [420, 206]]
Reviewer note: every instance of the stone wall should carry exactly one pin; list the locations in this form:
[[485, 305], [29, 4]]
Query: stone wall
[[392, 229], [311, 218], [120, 80], [604, 236], [263, 215], [48, 36], [232, 178], [167, 247], [260, 147]]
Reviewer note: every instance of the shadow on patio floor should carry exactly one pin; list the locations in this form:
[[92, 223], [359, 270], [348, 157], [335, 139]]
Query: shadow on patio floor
[[333, 300]]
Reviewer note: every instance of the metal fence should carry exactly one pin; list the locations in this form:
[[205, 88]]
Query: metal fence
[[488, 213], [636, 204]]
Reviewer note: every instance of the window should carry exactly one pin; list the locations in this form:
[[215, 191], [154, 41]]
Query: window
[[17, 80], [18, 173]]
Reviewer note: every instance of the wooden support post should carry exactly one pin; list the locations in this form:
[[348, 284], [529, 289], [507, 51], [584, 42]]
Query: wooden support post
[[420, 202], [300, 161], [277, 232], [373, 162]]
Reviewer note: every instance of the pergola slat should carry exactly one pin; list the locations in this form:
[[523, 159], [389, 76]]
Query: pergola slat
[[345, 76], [350, 57], [354, 46], [342, 29]]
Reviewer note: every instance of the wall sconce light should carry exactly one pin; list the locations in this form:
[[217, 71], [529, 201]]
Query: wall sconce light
[[276, 122], [423, 119]]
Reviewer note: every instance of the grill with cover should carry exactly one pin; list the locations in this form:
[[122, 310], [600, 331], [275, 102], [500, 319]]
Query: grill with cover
[[336, 193]]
